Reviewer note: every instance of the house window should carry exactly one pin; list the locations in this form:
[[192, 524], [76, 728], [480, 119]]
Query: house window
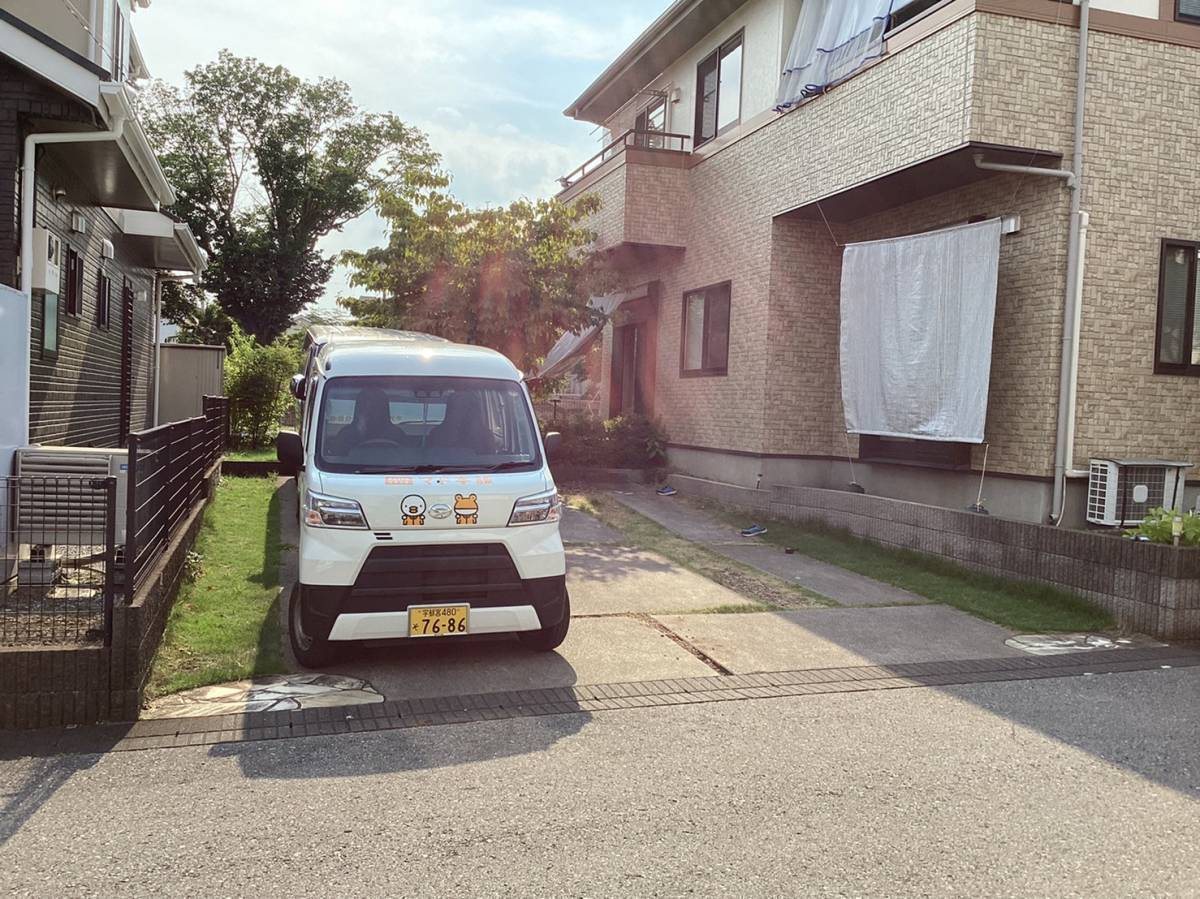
[[1187, 11], [904, 451], [49, 326], [74, 282], [103, 300], [705, 345], [903, 13], [1177, 349], [719, 91], [651, 122]]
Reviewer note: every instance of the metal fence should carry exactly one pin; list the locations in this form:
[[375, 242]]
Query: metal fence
[[167, 467], [58, 559]]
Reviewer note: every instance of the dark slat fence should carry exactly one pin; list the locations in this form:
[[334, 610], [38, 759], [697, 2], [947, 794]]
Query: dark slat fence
[[167, 467]]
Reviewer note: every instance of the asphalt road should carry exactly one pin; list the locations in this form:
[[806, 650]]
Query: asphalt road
[[1084, 786]]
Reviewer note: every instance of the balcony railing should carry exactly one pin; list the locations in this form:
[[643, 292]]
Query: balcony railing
[[645, 140]]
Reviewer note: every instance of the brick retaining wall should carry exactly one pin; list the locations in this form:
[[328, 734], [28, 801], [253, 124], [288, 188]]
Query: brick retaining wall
[[1148, 588]]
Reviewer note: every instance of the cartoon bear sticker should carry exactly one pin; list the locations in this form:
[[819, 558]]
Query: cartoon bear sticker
[[413, 509], [466, 509]]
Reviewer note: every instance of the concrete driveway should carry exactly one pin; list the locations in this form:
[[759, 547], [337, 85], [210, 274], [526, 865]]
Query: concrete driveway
[[638, 616]]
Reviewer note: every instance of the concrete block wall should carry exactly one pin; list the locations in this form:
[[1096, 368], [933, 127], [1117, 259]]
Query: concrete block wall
[[1148, 588]]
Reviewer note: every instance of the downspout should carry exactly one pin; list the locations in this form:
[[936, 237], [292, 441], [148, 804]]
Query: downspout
[[1064, 449], [28, 191], [158, 283]]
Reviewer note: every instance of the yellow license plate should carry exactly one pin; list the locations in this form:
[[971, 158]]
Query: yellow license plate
[[438, 621]]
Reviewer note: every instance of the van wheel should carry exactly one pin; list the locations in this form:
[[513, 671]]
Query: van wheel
[[549, 638], [310, 650]]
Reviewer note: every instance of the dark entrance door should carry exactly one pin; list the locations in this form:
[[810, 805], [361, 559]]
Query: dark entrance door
[[632, 370]]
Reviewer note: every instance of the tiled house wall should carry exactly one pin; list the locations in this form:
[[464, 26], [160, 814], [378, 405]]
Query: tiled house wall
[[988, 78], [1138, 189]]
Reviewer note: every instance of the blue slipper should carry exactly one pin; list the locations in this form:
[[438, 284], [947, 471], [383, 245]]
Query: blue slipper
[[755, 530], [666, 490]]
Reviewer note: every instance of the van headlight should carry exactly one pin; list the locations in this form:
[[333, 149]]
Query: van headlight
[[321, 511], [540, 508]]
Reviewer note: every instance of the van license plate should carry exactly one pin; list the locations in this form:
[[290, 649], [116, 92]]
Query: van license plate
[[438, 621]]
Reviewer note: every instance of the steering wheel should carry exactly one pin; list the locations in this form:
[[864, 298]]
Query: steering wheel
[[378, 441]]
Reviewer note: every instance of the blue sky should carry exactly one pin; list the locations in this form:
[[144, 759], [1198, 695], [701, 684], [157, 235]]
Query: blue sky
[[487, 80]]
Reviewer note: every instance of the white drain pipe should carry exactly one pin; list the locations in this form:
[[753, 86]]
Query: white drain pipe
[[1064, 446], [28, 192]]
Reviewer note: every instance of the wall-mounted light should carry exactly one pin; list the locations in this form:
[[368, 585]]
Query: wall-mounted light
[[60, 194]]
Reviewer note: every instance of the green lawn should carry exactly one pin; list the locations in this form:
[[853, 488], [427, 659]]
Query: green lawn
[[1020, 605], [225, 624], [767, 591], [258, 454]]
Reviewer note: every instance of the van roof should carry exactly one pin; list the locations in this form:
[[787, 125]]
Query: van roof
[[428, 356], [323, 334]]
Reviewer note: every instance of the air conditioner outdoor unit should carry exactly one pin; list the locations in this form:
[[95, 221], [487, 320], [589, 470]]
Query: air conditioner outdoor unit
[[1122, 491], [53, 513], [47, 260]]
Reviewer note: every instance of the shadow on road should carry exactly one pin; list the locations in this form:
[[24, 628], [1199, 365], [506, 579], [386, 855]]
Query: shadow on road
[[394, 751]]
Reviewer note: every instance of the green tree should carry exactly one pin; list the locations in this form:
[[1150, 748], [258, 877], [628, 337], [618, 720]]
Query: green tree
[[265, 164], [513, 278]]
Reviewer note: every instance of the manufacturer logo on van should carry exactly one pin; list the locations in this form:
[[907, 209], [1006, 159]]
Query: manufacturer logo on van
[[440, 511]]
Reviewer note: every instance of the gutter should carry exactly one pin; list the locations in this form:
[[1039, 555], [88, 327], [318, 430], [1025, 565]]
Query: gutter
[[28, 190]]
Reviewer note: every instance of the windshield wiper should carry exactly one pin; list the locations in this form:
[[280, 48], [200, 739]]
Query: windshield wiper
[[503, 466]]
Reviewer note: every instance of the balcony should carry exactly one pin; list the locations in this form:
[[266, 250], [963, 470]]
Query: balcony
[[641, 179], [94, 36]]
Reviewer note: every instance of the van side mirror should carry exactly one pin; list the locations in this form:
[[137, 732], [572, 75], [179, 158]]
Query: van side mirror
[[289, 451], [553, 443], [298, 386]]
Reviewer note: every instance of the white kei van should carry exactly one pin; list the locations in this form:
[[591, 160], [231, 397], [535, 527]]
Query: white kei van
[[427, 507]]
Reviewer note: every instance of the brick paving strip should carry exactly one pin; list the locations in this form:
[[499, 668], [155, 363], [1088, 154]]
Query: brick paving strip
[[395, 715]]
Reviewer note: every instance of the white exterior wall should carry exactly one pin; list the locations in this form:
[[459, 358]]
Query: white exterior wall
[[768, 27], [1147, 9]]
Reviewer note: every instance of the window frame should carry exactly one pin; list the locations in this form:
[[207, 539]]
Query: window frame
[[103, 299], [705, 370], [913, 19], [738, 39], [50, 300], [1186, 367], [73, 295], [1188, 18]]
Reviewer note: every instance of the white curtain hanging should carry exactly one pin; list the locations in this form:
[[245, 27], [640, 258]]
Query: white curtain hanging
[[916, 341], [833, 40]]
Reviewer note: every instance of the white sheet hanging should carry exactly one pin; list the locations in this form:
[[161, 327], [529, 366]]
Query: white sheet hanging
[[833, 40], [916, 340]]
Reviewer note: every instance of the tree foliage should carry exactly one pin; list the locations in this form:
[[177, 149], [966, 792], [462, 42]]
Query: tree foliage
[[265, 164], [511, 278], [256, 381]]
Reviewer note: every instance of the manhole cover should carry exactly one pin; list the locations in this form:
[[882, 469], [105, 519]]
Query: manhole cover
[[284, 693], [1060, 644]]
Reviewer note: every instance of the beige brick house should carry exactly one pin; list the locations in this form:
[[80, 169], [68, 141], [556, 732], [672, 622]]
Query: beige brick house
[[733, 218]]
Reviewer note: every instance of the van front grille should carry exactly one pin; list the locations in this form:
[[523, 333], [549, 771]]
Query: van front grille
[[482, 574]]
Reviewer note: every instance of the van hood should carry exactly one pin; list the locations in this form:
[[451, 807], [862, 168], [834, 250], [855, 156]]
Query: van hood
[[436, 502]]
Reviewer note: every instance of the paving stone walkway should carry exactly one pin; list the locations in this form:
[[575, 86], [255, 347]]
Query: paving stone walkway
[[844, 587]]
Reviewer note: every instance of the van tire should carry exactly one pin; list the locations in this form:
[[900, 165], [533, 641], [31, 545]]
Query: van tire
[[549, 638], [310, 650]]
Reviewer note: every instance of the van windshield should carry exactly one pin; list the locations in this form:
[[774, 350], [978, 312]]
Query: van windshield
[[428, 425]]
